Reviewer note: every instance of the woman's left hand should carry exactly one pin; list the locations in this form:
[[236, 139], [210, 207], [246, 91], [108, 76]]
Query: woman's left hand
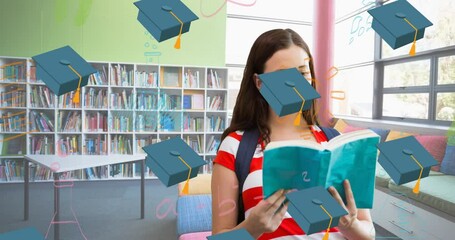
[[346, 221]]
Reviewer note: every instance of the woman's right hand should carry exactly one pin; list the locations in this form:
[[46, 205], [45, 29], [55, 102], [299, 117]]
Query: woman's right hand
[[267, 215]]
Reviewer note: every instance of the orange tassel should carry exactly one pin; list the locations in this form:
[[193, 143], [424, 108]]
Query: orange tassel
[[416, 189], [298, 119], [76, 96], [412, 52], [186, 187], [326, 235], [177, 43]]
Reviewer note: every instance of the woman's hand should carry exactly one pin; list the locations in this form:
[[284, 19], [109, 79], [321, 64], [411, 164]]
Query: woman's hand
[[346, 221], [267, 215]]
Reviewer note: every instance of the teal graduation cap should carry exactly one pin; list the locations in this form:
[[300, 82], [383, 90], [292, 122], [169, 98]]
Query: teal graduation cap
[[287, 91], [173, 161], [165, 19], [314, 210], [405, 160], [240, 234], [399, 23], [63, 70], [22, 234]]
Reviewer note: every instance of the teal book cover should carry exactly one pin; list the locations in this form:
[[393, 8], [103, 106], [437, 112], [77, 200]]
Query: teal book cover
[[302, 164]]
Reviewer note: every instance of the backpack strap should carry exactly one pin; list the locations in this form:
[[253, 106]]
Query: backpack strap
[[245, 153], [329, 132]]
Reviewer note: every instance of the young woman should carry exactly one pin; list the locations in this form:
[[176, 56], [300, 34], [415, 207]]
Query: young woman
[[268, 218]]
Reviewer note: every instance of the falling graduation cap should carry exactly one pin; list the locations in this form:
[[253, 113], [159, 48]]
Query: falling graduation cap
[[314, 210], [405, 160], [241, 233], [22, 234], [399, 23], [173, 161], [287, 91], [63, 70], [165, 19]]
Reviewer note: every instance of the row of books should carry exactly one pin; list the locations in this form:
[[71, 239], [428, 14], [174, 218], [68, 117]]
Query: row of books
[[146, 123], [122, 170], [95, 122], [101, 172], [214, 124], [95, 145], [13, 72], [99, 78], [96, 98], [13, 122], [69, 121], [146, 101], [193, 101], [191, 79], [40, 122], [121, 77], [213, 80], [215, 102], [142, 142], [144, 79], [193, 124], [66, 100], [194, 142], [121, 145], [42, 145], [11, 170], [120, 123], [170, 102], [13, 96], [41, 97], [122, 100], [68, 146], [212, 145]]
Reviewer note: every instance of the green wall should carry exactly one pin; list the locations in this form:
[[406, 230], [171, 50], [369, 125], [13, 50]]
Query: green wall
[[107, 30]]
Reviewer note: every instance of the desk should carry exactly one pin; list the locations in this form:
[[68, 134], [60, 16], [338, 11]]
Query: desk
[[58, 165]]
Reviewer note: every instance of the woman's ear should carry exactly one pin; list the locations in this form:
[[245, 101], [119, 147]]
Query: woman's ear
[[257, 81]]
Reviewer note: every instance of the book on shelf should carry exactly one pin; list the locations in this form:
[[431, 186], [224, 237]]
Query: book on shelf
[[13, 96], [13, 122], [96, 173], [95, 122], [68, 145], [40, 122], [207, 168], [96, 145], [213, 80], [69, 121], [121, 144], [142, 142], [171, 78], [121, 170], [96, 98], [193, 124], [41, 97], [146, 100], [99, 78], [145, 79], [66, 100], [42, 145], [11, 170], [170, 102], [194, 142], [212, 144], [122, 100], [121, 77], [39, 173], [193, 101], [145, 122], [215, 102], [191, 79], [214, 124], [120, 123], [13, 72]]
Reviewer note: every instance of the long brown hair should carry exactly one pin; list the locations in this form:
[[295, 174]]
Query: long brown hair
[[251, 109]]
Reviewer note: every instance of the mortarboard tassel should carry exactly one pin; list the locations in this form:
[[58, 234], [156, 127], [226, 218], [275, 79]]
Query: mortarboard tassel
[[412, 52], [298, 118], [186, 187], [326, 235], [78, 90], [177, 43], [416, 189]]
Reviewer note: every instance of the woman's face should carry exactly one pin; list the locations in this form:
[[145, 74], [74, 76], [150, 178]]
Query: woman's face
[[292, 57]]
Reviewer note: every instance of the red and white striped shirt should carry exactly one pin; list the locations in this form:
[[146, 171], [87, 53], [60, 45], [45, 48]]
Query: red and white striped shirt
[[252, 192]]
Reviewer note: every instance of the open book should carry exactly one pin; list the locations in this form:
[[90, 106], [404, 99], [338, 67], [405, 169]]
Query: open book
[[301, 164]]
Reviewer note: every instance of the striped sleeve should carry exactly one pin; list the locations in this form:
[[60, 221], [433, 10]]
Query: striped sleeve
[[228, 150]]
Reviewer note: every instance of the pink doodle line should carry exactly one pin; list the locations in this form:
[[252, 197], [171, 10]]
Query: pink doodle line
[[222, 6]]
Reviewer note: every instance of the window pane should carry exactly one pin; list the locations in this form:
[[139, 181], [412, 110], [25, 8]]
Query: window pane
[[413, 105], [357, 85], [446, 73], [415, 73], [354, 40], [445, 108], [440, 13], [241, 34]]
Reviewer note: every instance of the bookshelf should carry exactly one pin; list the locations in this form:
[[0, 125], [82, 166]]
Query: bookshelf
[[125, 106]]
